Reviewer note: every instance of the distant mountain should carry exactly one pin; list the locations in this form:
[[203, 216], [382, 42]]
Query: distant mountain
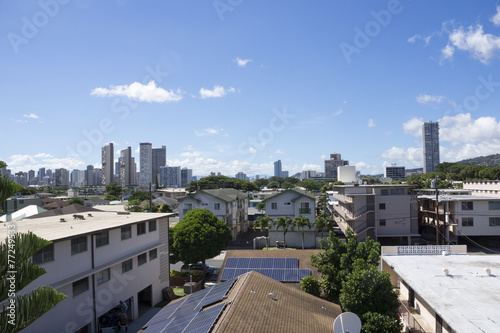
[[490, 160]]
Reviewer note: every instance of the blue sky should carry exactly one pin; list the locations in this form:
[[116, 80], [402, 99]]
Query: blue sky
[[233, 85]]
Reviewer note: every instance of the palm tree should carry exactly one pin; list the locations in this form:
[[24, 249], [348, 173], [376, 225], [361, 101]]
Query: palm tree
[[322, 222], [29, 306], [263, 223], [284, 222], [261, 206], [301, 222]]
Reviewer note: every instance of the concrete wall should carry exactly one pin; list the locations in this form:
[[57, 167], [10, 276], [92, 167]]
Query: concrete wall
[[480, 214]]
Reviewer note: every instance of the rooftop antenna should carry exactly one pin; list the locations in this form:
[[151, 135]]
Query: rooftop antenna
[[347, 322]]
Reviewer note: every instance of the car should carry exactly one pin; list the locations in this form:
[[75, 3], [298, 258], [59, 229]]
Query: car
[[198, 267]]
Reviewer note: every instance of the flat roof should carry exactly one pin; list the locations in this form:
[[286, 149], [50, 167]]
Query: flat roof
[[467, 299], [458, 198], [52, 229]]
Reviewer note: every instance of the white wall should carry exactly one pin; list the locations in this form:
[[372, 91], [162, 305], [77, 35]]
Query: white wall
[[480, 214]]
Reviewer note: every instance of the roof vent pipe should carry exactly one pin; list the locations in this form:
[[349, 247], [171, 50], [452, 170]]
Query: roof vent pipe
[[446, 271], [488, 271]]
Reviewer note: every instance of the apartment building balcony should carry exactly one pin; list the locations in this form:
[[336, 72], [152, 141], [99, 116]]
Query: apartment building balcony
[[412, 319]]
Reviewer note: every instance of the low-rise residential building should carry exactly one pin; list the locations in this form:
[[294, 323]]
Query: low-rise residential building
[[98, 259], [228, 204], [461, 216], [442, 289], [382, 212], [489, 188], [292, 203]]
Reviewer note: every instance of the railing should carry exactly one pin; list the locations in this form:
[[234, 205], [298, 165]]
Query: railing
[[304, 210], [409, 320]]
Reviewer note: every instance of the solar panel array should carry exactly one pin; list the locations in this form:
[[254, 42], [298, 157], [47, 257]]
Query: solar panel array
[[279, 269], [187, 315]]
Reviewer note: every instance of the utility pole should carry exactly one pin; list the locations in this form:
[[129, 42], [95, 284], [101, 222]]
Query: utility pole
[[437, 210]]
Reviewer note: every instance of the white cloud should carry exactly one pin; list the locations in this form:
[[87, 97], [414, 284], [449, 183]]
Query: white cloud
[[313, 167], [371, 123], [242, 62], [426, 99], [26, 162], [217, 91], [31, 115], [140, 92], [480, 46], [207, 131], [190, 154], [339, 112], [279, 152], [413, 127], [362, 166], [462, 129], [414, 38], [411, 157], [323, 157], [496, 18]]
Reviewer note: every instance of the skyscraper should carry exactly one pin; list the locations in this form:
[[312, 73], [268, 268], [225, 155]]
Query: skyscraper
[[108, 162], [277, 168], [146, 164], [89, 176], [332, 164], [170, 176], [430, 144], [159, 160], [127, 168], [186, 177]]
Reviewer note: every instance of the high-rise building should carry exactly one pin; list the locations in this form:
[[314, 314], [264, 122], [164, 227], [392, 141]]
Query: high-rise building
[[430, 144], [127, 167], [90, 176], [41, 173], [395, 172], [277, 168], [241, 175], [159, 159], [62, 177], [186, 177], [332, 164], [146, 164], [108, 162], [170, 176]]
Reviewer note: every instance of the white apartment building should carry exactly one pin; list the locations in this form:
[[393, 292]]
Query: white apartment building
[[461, 215], [228, 204], [96, 262], [292, 203], [489, 188], [146, 164], [378, 211], [451, 293]]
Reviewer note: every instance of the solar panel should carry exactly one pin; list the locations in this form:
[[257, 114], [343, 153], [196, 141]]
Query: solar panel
[[267, 272], [241, 271], [278, 274], [291, 275], [179, 323], [215, 294], [205, 320], [267, 263], [228, 274], [165, 313], [291, 263], [243, 262], [255, 263], [304, 272], [158, 327], [231, 263], [279, 262]]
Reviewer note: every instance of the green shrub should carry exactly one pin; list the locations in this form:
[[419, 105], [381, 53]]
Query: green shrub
[[195, 273], [310, 285]]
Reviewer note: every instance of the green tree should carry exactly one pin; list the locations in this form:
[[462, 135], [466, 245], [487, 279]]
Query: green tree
[[140, 195], [323, 222], [300, 222], [261, 182], [261, 206], [273, 184], [283, 222], [264, 224], [213, 182], [310, 285], [165, 208], [29, 306], [378, 323], [133, 206], [199, 236], [310, 185], [367, 289], [114, 189], [76, 200], [287, 185], [336, 263]]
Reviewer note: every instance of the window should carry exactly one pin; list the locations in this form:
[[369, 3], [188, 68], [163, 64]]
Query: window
[[216, 206], [152, 226], [142, 259], [397, 191], [381, 223], [287, 203], [188, 206], [102, 239], [274, 205], [141, 228], [44, 255], [494, 205], [381, 206], [467, 221], [80, 286], [153, 254], [494, 221], [126, 232], [384, 192], [78, 245], [204, 204], [126, 265], [304, 208], [467, 205], [103, 276]]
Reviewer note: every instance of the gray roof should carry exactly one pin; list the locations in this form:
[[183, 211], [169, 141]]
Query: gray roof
[[225, 194], [458, 198]]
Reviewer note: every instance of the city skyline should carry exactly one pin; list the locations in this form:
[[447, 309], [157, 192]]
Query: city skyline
[[234, 88]]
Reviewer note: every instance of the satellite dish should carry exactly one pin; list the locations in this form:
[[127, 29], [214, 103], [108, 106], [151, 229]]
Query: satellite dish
[[347, 322]]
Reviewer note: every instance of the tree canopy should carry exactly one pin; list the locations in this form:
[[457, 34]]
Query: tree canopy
[[139, 195], [76, 200], [199, 236], [214, 182]]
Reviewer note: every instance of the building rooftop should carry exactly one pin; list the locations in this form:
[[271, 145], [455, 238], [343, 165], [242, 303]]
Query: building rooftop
[[457, 198], [52, 229], [467, 299]]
